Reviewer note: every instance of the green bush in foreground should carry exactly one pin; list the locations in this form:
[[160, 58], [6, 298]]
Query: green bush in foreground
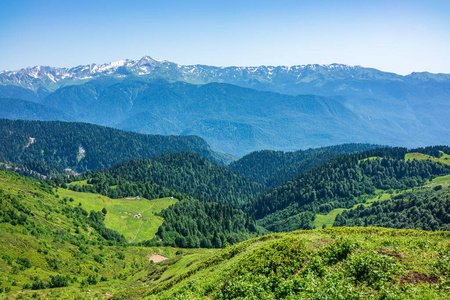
[[337, 263]]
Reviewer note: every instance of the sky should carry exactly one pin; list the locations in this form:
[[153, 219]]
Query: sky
[[394, 36]]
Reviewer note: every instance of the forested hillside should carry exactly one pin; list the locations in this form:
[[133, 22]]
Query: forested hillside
[[83, 147], [273, 167], [342, 183], [428, 210], [194, 224], [190, 223], [186, 172]]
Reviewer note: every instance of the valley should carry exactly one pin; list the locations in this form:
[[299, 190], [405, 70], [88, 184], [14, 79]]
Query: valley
[[95, 233], [266, 150], [223, 183]]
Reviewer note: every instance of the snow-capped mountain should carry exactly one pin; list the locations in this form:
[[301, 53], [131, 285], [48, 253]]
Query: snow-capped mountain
[[51, 78], [40, 76]]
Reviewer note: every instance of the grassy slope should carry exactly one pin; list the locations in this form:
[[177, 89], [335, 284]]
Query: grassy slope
[[77, 262], [445, 158], [121, 212], [337, 263]]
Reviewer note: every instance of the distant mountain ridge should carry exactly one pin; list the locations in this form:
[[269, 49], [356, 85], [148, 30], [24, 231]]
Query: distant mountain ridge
[[148, 96], [257, 77], [230, 118]]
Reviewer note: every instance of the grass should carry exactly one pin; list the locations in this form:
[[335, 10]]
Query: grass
[[337, 263], [444, 159], [370, 158], [121, 212], [51, 253]]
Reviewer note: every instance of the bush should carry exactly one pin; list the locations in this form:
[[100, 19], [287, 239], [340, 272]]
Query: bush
[[92, 280], [59, 281], [121, 255], [39, 285], [443, 263], [8, 259], [99, 259], [371, 267], [24, 262]]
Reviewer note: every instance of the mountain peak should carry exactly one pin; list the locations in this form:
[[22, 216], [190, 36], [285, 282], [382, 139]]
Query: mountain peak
[[49, 77], [147, 58]]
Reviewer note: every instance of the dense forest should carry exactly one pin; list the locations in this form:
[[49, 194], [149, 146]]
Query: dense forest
[[194, 224], [84, 147], [274, 167], [186, 172], [428, 210], [342, 183], [114, 187]]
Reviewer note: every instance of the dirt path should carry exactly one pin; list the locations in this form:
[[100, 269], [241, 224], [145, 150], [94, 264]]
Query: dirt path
[[156, 258]]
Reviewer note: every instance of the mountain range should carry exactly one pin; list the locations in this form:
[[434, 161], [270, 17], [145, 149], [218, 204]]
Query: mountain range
[[240, 109]]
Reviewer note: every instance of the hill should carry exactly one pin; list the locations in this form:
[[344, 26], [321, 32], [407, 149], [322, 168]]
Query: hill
[[340, 183], [46, 242], [273, 167], [54, 238], [428, 209], [190, 223], [82, 147], [188, 173], [344, 263]]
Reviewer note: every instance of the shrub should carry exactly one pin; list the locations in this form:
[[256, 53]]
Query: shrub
[[371, 267], [24, 262], [59, 281], [443, 263], [39, 285], [92, 280]]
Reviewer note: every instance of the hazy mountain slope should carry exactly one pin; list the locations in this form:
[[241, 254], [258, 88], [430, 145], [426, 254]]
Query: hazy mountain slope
[[82, 146], [231, 119], [18, 92], [273, 167], [26, 110]]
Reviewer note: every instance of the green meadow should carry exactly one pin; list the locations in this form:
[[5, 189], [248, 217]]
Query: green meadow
[[121, 213], [445, 158]]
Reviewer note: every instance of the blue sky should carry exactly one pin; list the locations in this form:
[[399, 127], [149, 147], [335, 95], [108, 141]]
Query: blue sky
[[395, 36]]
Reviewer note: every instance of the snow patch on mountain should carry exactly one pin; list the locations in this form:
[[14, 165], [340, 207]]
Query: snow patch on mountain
[[49, 77]]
